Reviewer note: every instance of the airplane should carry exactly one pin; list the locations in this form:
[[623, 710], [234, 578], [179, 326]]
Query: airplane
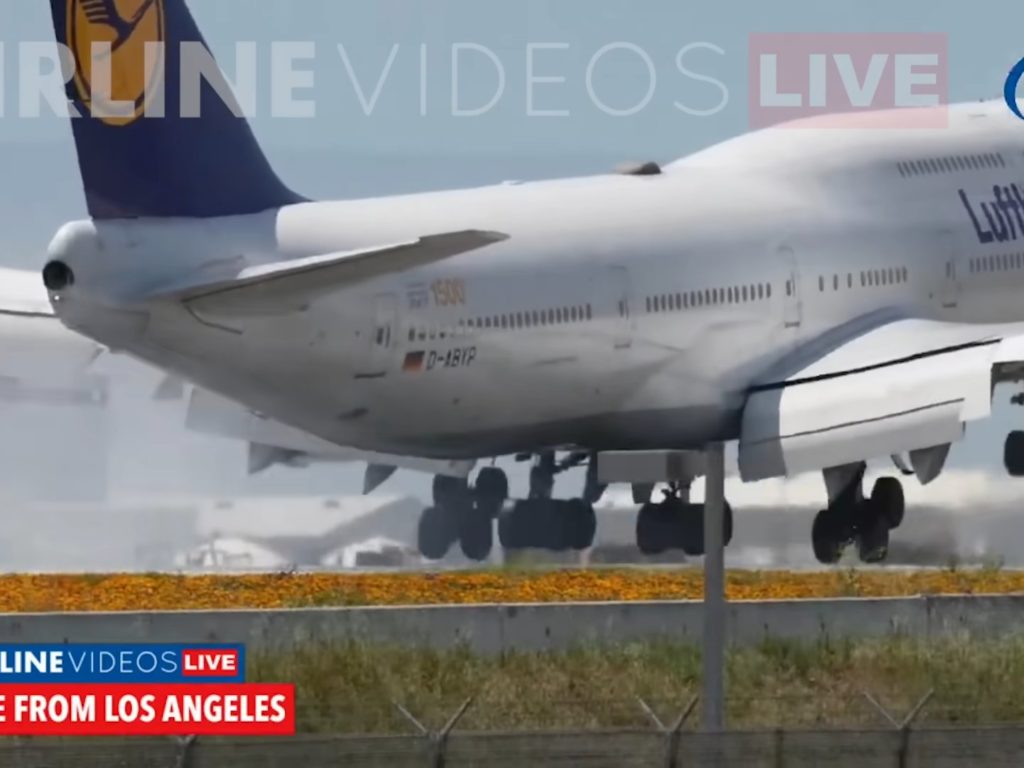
[[824, 296]]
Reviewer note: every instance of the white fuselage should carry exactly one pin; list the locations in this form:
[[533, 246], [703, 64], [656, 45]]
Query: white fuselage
[[622, 311]]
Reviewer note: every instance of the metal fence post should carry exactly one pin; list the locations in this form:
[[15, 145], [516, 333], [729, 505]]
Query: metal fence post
[[439, 740], [671, 732], [181, 760], [903, 726]]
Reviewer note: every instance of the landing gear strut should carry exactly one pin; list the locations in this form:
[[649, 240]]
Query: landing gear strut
[[852, 518]]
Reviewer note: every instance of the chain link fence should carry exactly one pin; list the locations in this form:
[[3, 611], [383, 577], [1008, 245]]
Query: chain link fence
[[662, 736], [925, 748]]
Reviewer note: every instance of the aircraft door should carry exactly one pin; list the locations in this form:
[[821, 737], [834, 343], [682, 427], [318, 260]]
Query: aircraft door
[[621, 313], [383, 336], [792, 303]]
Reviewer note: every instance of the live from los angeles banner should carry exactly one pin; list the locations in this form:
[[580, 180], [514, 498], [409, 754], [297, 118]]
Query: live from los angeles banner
[[138, 689]]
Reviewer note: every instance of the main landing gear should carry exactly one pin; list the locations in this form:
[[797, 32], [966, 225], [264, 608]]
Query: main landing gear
[[464, 514], [852, 518], [542, 522], [674, 523]]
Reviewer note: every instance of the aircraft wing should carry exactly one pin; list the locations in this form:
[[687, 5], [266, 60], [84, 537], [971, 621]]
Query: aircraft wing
[[289, 285], [878, 388], [271, 442]]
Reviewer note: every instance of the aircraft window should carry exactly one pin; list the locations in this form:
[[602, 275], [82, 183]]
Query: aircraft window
[[760, 291], [720, 297], [574, 314], [906, 274], [551, 317], [789, 287], [892, 276], [835, 282], [433, 333], [821, 283], [849, 279], [745, 295], [589, 315], [679, 301], [1001, 160], [649, 309]]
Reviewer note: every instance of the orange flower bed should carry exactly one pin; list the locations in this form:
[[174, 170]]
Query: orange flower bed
[[128, 592]]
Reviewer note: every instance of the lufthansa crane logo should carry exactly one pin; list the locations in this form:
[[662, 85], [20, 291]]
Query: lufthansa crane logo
[[118, 55], [1012, 83]]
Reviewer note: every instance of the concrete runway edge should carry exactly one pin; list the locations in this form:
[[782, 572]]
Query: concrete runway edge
[[493, 629]]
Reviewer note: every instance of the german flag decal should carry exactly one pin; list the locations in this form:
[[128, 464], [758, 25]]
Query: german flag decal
[[413, 361]]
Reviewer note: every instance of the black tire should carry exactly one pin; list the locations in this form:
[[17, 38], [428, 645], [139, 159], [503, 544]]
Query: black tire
[[492, 483], [476, 536], [873, 538], [727, 525], [435, 533], [887, 498], [651, 535], [825, 538], [448, 491], [582, 524], [1013, 454], [512, 526], [689, 524]]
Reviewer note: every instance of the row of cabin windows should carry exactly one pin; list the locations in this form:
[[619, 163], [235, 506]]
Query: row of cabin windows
[[535, 318], [998, 263], [868, 279], [951, 164], [673, 302]]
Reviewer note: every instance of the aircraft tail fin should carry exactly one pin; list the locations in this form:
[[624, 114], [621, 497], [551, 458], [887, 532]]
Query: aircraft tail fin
[[156, 138]]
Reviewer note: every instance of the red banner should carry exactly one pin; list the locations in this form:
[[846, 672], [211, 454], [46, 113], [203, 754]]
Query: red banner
[[207, 709]]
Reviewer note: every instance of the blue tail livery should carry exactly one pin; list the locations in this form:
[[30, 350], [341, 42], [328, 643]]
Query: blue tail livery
[[143, 156]]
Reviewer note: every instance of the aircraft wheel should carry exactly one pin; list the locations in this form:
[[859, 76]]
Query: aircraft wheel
[[1013, 454], [476, 535], [887, 498], [826, 538], [582, 523], [873, 537], [492, 483], [435, 534]]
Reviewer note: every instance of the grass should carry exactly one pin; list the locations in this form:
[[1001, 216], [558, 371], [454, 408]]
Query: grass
[[354, 688]]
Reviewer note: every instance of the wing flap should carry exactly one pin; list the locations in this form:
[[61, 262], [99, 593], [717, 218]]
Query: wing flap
[[288, 286], [211, 414], [900, 387]]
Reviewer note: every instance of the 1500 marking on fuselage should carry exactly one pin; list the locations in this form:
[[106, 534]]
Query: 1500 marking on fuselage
[[449, 292]]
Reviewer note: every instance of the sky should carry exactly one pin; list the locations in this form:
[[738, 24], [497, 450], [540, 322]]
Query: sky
[[411, 140]]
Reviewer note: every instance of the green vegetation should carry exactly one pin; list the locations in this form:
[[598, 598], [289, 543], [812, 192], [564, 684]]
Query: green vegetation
[[353, 687]]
